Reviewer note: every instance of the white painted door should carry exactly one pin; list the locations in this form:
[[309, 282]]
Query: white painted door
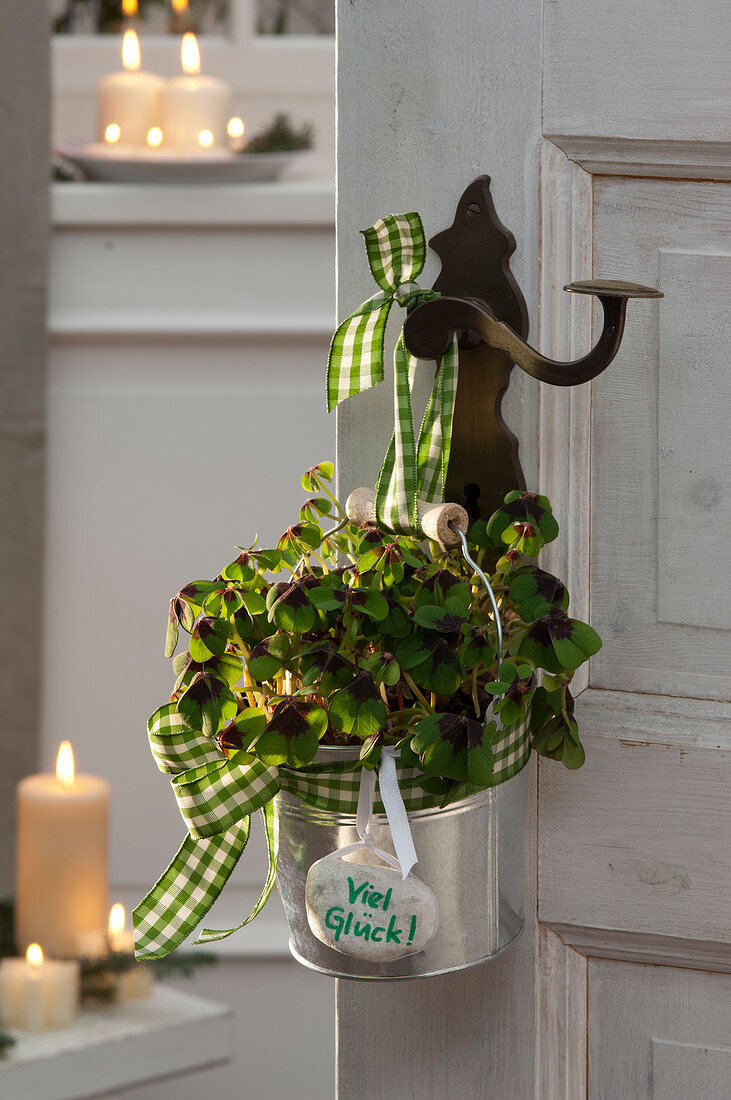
[[602, 127]]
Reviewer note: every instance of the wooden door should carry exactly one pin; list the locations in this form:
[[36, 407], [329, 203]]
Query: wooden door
[[602, 128]]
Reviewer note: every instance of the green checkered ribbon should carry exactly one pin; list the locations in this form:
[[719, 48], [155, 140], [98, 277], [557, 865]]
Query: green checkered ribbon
[[217, 797], [396, 251]]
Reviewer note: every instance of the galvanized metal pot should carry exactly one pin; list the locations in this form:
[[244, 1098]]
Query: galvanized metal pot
[[470, 855]]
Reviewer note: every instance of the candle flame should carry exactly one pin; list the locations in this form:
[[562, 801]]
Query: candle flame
[[235, 127], [34, 955], [180, 6], [65, 764], [190, 57], [117, 917], [131, 51], [112, 133], [129, 7], [205, 139], [154, 137]]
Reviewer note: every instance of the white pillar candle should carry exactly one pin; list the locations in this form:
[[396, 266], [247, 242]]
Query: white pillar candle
[[61, 858], [194, 106], [129, 101], [38, 993]]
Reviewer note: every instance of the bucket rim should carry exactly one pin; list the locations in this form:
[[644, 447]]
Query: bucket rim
[[407, 977], [298, 807]]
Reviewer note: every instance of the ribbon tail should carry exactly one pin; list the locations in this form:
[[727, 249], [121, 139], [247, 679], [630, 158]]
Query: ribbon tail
[[355, 359], [271, 827], [396, 489], [398, 819], [180, 899], [435, 435]]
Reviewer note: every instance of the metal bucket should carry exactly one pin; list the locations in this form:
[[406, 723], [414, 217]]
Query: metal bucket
[[470, 855]]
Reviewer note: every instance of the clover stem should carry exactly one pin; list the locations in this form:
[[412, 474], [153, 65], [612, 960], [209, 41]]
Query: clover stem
[[564, 711], [250, 695], [321, 560], [384, 695], [324, 489], [414, 712], [475, 670], [416, 692]]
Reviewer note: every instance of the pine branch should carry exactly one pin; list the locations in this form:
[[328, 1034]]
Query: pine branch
[[6, 1042]]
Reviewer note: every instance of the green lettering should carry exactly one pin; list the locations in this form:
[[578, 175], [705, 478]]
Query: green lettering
[[388, 897], [334, 920], [374, 899], [365, 931], [377, 938], [352, 892], [393, 934]]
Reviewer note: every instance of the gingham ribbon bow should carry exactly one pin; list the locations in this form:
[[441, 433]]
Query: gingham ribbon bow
[[396, 251], [217, 797]]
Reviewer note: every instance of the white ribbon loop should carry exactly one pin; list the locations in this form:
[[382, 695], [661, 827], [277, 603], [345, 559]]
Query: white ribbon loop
[[398, 819]]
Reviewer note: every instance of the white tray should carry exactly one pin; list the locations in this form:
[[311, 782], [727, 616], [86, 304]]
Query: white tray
[[161, 166]]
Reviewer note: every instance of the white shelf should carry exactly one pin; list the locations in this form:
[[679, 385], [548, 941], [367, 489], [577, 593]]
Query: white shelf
[[113, 1048], [215, 204], [132, 323]]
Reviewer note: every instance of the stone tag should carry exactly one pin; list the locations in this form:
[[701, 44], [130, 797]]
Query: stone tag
[[369, 911]]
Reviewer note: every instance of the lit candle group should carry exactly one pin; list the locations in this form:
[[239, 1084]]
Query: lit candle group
[[61, 900], [187, 114]]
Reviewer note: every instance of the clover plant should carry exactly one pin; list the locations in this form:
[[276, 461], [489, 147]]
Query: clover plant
[[351, 635]]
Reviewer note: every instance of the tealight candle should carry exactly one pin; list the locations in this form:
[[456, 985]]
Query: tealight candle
[[61, 864], [120, 938], [135, 983], [130, 100], [193, 105], [38, 993], [235, 130]]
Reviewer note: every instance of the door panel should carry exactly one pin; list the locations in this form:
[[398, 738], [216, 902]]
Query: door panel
[[634, 863], [637, 840], [654, 70], [657, 1032], [661, 483]]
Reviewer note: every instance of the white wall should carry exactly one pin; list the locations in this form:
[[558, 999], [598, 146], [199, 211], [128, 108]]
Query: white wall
[[189, 332]]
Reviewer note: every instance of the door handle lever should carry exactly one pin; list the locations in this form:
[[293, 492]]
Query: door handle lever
[[430, 328]]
